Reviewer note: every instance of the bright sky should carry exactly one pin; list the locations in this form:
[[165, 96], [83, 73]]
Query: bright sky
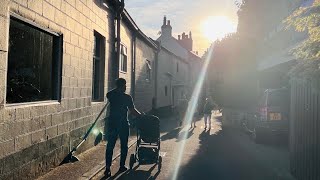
[[199, 16]]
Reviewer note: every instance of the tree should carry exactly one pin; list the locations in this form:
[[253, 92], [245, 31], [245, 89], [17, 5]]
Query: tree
[[307, 19]]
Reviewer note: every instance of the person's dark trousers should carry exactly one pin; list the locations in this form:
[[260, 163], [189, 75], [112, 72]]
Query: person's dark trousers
[[113, 133]]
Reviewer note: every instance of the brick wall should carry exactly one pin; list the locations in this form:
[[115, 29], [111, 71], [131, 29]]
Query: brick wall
[[35, 137]]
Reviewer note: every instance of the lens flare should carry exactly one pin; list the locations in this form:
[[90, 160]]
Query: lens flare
[[191, 110], [95, 132], [217, 27]]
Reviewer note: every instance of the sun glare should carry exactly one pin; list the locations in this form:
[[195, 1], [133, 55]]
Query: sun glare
[[217, 27]]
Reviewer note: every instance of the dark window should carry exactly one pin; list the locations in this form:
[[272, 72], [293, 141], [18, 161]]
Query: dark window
[[278, 98], [148, 70], [98, 68], [34, 64], [166, 91], [123, 58]]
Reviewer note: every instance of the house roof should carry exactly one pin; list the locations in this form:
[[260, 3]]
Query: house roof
[[130, 23], [278, 58], [285, 55], [128, 19], [172, 45]]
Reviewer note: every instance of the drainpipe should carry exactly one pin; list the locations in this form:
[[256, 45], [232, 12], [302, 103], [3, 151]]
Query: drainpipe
[[133, 64], [119, 10], [155, 100]]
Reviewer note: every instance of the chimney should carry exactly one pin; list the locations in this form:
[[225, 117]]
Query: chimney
[[166, 29], [179, 37], [190, 35], [183, 35], [187, 37]]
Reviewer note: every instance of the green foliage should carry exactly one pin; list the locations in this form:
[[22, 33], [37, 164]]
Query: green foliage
[[307, 20]]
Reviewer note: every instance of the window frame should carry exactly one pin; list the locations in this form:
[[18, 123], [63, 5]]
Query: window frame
[[123, 69], [100, 69], [57, 62], [148, 70]]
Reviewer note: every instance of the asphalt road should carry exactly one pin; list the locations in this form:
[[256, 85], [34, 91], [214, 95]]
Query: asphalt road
[[210, 154]]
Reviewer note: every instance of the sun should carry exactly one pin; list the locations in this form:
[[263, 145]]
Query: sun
[[217, 27]]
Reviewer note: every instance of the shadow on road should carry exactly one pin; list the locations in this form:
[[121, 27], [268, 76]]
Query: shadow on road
[[185, 134], [230, 154], [137, 174], [171, 134]]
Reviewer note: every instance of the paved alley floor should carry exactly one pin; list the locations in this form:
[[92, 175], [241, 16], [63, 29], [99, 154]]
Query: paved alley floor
[[210, 154]]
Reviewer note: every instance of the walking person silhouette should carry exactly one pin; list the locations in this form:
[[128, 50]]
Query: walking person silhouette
[[118, 124]]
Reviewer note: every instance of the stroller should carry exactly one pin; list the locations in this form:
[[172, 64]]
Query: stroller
[[148, 142]]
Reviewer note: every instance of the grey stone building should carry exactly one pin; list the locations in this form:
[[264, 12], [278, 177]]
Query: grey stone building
[[178, 68], [57, 61]]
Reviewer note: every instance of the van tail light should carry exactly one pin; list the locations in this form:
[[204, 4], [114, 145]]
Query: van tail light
[[264, 112]]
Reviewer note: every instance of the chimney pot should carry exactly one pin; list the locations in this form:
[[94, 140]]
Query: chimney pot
[[168, 22], [164, 20], [179, 37]]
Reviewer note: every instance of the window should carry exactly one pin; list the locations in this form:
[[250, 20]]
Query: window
[[166, 91], [123, 58], [98, 68], [34, 63], [148, 70]]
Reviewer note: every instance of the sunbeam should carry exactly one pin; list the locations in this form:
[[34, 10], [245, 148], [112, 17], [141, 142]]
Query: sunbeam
[[191, 110]]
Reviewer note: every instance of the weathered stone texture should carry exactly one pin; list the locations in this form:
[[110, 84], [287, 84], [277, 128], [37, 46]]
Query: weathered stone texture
[[144, 89], [4, 26], [35, 137]]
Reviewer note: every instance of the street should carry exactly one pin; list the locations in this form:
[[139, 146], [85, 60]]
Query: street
[[219, 153]]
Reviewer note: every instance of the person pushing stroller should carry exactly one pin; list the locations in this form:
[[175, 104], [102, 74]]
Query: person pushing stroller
[[117, 124]]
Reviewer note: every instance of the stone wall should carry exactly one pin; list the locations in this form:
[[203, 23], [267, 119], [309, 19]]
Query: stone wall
[[144, 88], [35, 137], [169, 77]]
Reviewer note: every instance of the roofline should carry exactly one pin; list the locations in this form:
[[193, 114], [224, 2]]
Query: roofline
[[171, 53], [135, 27]]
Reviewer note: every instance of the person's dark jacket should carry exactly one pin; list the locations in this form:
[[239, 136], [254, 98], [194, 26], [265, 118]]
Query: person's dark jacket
[[208, 107]]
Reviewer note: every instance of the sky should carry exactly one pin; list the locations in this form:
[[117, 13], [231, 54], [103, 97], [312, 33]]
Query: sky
[[185, 16]]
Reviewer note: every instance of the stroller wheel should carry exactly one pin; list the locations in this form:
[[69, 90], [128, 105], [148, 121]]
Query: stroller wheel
[[132, 160], [159, 163]]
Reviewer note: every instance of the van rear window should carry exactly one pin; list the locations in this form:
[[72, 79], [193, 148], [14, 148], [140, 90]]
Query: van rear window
[[278, 98]]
